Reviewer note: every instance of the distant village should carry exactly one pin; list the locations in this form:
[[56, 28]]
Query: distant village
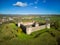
[[6, 19], [18, 18]]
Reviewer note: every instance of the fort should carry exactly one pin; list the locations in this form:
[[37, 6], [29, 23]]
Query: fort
[[30, 27]]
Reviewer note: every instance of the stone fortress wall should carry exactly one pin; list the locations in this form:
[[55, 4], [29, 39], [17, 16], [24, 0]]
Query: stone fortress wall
[[33, 29], [30, 29]]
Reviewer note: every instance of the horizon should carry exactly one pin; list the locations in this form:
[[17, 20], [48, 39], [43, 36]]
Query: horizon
[[26, 7], [29, 14]]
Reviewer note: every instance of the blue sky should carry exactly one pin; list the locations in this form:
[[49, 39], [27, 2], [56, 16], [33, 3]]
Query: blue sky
[[29, 6]]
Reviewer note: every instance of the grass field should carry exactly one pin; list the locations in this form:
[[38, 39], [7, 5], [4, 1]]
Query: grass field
[[10, 36], [42, 37]]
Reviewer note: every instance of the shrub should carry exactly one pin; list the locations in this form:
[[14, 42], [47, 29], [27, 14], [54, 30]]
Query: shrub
[[19, 30]]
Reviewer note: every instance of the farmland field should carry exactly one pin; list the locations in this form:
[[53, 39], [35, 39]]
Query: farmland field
[[10, 34]]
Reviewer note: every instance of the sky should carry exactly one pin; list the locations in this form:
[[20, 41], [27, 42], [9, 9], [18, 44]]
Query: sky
[[29, 6]]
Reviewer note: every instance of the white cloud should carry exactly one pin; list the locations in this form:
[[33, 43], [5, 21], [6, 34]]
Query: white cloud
[[21, 4]]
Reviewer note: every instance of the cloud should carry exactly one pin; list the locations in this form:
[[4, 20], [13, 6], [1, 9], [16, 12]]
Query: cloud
[[21, 4]]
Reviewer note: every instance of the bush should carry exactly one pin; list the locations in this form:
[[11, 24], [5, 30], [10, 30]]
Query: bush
[[19, 30]]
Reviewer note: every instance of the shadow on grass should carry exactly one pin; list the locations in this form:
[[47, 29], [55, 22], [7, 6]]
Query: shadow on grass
[[51, 33], [58, 40], [38, 34]]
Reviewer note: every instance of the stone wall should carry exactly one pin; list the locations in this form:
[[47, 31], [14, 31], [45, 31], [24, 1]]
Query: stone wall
[[33, 29]]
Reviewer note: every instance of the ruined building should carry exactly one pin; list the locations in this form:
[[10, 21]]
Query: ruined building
[[30, 27]]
